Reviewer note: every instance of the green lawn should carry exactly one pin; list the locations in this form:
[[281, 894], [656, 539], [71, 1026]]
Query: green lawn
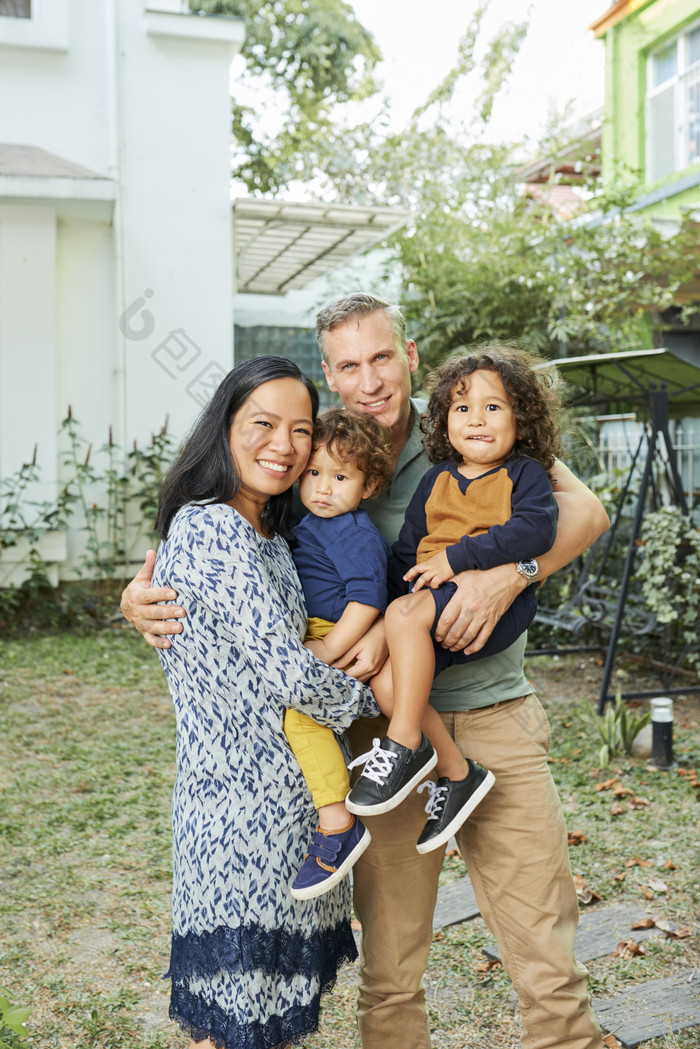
[[86, 771]]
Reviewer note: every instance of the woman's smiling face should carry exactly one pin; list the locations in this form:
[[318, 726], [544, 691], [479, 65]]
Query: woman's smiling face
[[270, 441]]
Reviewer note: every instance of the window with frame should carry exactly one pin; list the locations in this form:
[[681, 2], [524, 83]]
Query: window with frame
[[673, 105], [15, 8]]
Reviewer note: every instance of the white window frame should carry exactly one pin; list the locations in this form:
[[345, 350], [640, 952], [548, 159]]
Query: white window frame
[[47, 27], [678, 84]]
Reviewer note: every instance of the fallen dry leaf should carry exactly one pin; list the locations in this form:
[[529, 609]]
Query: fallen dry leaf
[[617, 810], [644, 923], [587, 896], [657, 885], [669, 865], [584, 894], [607, 784], [620, 877], [637, 861], [676, 934], [638, 803], [628, 949], [611, 1042], [577, 837], [646, 892], [486, 967], [620, 790]]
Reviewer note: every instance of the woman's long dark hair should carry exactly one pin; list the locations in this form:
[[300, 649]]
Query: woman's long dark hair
[[204, 471]]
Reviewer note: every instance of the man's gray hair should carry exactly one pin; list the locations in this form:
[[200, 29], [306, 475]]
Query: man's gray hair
[[358, 305]]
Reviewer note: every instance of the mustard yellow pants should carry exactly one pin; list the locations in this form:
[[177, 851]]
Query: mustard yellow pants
[[315, 747]]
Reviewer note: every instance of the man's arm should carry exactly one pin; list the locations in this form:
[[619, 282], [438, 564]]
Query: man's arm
[[483, 597], [140, 606]]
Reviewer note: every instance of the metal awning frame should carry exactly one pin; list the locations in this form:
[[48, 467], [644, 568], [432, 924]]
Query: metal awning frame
[[280, 246]]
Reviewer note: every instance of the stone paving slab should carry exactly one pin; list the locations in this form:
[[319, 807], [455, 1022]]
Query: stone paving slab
[[455, 903], [652, 1010], [649, 1010], [600, 930]]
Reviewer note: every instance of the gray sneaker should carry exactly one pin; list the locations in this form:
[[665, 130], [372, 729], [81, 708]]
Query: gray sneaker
[[390, 773]]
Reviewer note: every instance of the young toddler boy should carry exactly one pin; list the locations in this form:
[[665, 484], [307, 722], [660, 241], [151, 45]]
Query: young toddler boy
[[342, 561]]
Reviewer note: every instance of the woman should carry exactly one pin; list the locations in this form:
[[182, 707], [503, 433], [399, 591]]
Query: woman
[[248, 962]]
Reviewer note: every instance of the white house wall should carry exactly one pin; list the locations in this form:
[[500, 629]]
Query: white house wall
[[28, 362], [122, 310], [60, 97], [174, 120]]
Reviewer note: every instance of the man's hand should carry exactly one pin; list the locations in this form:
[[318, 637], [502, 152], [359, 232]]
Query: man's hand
[[367, 657], [483, 597], [473, 611], [433, 572], [140, 606]]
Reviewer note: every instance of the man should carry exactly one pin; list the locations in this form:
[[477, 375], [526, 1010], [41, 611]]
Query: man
[[515, 844]]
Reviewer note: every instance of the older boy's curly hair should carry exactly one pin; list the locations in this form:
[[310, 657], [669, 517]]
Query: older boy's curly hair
[[536, 400], [353, 436]]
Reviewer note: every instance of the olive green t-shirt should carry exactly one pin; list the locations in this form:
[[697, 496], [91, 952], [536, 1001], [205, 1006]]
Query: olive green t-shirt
[[467, 686]]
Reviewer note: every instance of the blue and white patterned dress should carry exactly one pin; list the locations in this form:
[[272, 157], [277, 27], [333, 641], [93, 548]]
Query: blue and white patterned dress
[[248, 962]]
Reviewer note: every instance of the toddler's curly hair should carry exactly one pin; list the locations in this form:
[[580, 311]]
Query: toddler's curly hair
[[536, 400], [353, 436]]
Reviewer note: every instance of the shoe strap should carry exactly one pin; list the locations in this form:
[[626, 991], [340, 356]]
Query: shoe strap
[[436, 798], [324, 847], [377, 763]]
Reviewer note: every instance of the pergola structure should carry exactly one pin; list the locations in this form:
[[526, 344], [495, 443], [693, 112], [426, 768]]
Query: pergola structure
[[279, 245]]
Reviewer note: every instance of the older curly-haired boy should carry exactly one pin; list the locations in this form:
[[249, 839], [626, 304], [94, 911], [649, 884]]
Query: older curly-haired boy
[[491, 431]]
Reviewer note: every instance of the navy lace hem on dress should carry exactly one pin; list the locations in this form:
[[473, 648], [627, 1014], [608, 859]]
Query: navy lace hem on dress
[[319, 956]]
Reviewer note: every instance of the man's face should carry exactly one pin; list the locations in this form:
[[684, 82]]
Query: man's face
[[369, 370]]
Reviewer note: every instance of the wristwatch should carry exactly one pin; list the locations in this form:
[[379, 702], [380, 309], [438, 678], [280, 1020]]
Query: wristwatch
[[529, 569]]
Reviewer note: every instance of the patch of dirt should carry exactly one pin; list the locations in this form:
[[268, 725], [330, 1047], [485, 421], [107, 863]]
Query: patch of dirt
[[577, 676]]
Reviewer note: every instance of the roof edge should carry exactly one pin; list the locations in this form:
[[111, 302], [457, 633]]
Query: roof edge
[[610, 18]]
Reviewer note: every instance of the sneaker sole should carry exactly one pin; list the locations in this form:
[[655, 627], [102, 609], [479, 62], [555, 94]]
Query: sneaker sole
[[396, 799], [322, 887], [462, 816]]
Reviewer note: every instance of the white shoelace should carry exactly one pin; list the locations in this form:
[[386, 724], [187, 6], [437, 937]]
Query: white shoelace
[[378, 763], [436, 798]]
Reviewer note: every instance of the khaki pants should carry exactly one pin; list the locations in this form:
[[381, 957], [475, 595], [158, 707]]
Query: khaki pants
[[515, 847]]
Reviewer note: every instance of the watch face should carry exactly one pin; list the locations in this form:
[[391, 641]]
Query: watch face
[[528, 567]]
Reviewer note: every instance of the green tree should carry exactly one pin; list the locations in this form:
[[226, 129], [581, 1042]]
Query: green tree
[[483, 258], [480, 257], [304, 58]]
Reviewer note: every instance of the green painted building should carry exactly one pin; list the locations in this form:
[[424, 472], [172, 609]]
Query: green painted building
[[652, 100], [651, 123]]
